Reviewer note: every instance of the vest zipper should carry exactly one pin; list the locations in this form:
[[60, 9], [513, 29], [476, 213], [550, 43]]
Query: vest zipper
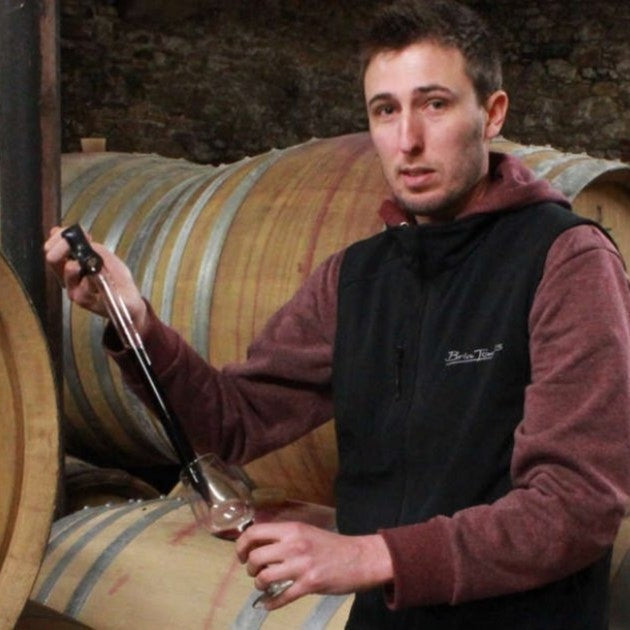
[[419, 312], [400, 355]]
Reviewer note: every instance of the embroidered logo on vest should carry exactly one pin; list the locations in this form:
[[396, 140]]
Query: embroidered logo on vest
[[477, 355]]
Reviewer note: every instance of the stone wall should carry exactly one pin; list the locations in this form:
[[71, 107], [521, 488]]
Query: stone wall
[[567, 68], [213, 81]]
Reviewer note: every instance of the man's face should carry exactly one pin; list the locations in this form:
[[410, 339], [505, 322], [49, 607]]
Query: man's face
[[428, 128]]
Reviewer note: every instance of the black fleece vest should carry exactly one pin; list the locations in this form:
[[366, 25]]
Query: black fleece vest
[[430, 368]]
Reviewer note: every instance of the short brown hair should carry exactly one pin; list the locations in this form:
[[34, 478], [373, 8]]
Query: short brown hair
[[445, 22]]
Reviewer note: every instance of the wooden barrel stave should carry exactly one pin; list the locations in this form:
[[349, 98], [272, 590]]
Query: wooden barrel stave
[[101, 399], [107, 566], [29, 449], [338, 202]]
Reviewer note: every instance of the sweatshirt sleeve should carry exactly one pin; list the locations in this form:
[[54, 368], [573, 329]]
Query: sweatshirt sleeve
[[571, 461], [244, 410]]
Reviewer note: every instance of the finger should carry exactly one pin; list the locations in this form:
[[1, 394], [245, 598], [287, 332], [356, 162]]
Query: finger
[[266, 556], [274, 573], [254, 537], [72, 276], [54, 231], [54, 238], [57, 255], [56, 248], [80, 288], [278, 601]]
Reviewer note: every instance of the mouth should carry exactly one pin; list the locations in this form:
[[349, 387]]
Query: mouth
[[416, 177]]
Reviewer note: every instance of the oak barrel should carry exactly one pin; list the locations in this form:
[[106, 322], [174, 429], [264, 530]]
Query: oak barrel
[[88, 485], [29, 447], [598, 189], [218, 250], [151, 563]]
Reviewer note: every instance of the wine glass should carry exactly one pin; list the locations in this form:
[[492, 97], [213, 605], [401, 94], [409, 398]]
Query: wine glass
[[227, 509]]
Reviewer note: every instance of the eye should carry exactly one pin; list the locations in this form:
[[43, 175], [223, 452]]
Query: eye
[[437, 104], [383, 110]]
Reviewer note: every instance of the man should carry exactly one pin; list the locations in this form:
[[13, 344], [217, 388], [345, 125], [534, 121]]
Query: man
[[475, 356]]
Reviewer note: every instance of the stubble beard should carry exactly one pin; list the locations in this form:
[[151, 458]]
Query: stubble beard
[[445, 207], [448, 206]]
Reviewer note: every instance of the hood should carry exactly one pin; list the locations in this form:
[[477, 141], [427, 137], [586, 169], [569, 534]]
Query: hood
[[511, 185]]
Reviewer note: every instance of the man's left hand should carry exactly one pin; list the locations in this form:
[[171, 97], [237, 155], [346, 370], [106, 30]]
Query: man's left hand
[[317, 560]]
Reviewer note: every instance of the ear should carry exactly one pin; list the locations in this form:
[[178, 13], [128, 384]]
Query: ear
[[496, 108]]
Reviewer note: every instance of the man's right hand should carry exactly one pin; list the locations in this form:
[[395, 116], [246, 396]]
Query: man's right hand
[[83, 290]]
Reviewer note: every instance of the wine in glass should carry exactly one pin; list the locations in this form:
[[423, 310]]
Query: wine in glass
[[227, 509]]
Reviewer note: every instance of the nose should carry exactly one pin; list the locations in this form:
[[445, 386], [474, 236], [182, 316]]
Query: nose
[[411, 139]]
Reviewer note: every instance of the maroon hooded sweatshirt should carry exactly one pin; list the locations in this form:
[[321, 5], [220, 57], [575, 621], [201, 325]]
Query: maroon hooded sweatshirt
[[571, 460]]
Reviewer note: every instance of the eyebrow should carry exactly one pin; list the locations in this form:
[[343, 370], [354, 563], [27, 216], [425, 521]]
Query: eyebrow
[[422, 89]]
